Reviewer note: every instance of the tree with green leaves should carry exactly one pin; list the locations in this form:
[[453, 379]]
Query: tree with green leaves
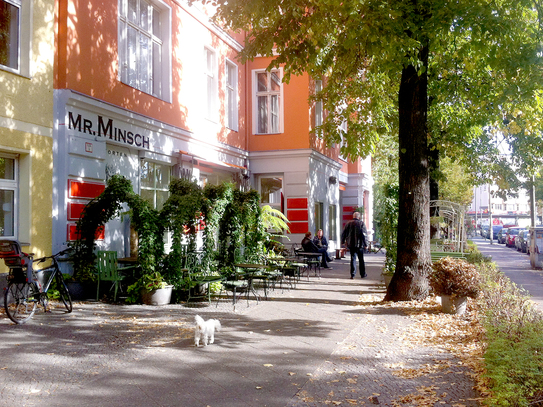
[[443, 74]]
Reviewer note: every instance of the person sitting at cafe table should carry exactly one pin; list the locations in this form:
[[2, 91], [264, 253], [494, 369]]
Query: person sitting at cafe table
[[310, 247], [321, 242]]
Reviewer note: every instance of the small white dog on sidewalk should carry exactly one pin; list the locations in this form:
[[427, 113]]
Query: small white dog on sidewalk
[[205, 330]]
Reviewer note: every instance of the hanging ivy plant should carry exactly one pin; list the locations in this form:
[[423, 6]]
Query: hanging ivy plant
[[108, 205], [216, 200], [182, 213], [234, 228]]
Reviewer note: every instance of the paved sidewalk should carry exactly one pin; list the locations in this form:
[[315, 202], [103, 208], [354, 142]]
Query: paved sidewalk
[[323, 343]]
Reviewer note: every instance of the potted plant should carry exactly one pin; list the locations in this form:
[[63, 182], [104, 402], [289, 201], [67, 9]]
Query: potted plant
[[454, 280], [81, 288], [387, 276], [152, 288], [82, 282]]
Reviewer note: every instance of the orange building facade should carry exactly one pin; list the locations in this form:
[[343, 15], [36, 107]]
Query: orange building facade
[[152, 90]]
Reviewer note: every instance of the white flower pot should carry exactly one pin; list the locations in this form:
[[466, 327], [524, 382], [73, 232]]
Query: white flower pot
[[161, 296], [453, 305], [388, 279]]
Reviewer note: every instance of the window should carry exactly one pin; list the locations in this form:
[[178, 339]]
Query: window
[[332, 222], [269, 103], [211, 79], [319, 111], [15, 34], [231, 96], [319, 215], [155, 180], [271, 191], [8, 196], [144, 41]]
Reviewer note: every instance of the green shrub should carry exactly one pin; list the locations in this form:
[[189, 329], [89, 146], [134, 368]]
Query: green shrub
[[514, 354]]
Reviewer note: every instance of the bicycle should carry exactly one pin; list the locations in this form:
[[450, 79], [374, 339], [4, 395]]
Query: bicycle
[[28, 287]]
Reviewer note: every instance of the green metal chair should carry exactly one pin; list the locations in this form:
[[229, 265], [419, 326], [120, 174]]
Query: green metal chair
[[199, 280], [108, 270]]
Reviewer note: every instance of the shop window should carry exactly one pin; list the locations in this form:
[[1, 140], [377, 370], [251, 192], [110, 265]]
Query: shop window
[[232, 95], [268, 102], [155, 181], [211, 78], [332, 222], [144, 41], [8, 196], [271, 191], [319, 215], [15, 34]]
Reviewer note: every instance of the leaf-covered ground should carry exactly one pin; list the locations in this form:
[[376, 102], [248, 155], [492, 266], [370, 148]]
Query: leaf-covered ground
[[431, 359]]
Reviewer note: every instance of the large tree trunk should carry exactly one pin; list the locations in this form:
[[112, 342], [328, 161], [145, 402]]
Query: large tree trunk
[[410, 281]]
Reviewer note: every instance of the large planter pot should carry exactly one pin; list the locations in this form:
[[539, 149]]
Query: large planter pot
[[388, 279], [161, 296], [453, 305], [81, 291]]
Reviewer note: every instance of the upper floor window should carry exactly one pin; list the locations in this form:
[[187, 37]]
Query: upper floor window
[[211, 78], [319, 110], [8, 195], [268, 102], [144, 42], [231, 95], [15, 34]]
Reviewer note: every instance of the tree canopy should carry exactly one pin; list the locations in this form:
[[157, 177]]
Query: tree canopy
[[442, 75]]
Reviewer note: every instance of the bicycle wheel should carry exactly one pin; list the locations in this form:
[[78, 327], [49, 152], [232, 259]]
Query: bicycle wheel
[[20, 301], [64, 293]]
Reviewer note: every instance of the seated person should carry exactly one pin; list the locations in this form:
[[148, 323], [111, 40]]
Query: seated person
[[321, 242], [311, 247]]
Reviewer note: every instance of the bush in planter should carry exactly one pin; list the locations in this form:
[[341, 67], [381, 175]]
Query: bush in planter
[[149, 282], [455, 277]]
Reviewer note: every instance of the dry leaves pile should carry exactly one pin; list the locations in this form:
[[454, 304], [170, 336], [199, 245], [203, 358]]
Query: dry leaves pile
[[460, 335]]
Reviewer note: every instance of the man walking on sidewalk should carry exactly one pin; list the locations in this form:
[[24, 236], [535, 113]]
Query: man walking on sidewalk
[[354, 236]]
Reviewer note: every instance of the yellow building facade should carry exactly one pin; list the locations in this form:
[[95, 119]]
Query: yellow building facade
[[26, 123]]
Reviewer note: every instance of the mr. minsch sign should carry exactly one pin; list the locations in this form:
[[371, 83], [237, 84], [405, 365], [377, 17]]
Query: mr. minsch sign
[[104, 127]]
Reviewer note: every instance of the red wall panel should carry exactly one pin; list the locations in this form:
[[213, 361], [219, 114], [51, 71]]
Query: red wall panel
[[298, 215], [75, 209], [297, 203], [299, 227], [88, 190]]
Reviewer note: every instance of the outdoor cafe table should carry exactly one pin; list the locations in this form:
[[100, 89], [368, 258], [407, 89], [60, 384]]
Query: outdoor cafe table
[[249, 271], [290, 267], [312, 258]]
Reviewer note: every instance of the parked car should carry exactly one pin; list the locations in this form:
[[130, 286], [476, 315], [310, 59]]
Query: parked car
[[527, 239], [484, 231], [495, 231], [501, 235], [520, 240], [512, 233]]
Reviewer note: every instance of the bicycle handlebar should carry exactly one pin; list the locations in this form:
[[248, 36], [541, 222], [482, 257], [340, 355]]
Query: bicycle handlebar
[[54, 256]]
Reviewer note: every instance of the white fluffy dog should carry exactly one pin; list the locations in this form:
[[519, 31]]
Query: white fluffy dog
[[205, 330]]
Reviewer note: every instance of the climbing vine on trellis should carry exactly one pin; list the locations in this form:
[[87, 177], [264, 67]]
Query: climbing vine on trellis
[[145, 220], [233, 231]]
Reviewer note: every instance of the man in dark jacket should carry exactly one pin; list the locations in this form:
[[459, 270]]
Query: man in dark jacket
[[354, 237]]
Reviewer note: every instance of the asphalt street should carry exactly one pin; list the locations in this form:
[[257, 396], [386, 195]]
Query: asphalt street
[[516, 266]]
